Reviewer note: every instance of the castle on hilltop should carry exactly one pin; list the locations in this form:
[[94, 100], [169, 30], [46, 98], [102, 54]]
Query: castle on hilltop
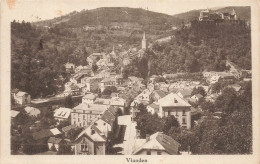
[[209, 15]]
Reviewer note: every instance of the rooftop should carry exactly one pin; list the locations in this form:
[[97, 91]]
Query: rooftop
[[162, 142], [62, 113], [92, 108], [172, 100]]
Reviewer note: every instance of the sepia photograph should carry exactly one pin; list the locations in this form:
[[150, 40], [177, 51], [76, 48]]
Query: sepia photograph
[[138, 78]]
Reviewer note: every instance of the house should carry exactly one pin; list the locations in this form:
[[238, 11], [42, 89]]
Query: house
[[83, 114], [185, 93], [14, 114], [71, 89], [196, 97], [102, 101], [66, 129], [144, 96], [90, 84], [69, 66], [22, 98], [164, 87], [236, 87], [81, 69], [157, 94], [31, 111], [157, 144], [173, 104], [153, 108], [134, 79], [118, 103], [89, 98], [54, 142], [45, 133], [91, 141], [62, 114], [109, 81], [14, 92], [106, 123]]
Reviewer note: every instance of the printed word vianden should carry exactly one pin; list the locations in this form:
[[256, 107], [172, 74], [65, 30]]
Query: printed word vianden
[[136, 160]]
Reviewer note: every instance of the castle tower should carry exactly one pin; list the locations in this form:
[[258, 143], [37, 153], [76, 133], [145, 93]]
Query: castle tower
[[233, 13], [144, 42]]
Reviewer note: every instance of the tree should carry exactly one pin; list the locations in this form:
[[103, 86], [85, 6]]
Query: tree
[[63, 124], [125, 73], [73, 133], [64, 149], [227, 101], [199, 90], [216, 88], [108, 90], [69, 102], [169, 122], [94, 67], [149, 124]]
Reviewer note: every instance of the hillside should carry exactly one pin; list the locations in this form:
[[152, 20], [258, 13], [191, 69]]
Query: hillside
[[106, 16], [243, 13]]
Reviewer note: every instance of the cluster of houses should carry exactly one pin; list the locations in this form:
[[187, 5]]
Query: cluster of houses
[[101, 118]]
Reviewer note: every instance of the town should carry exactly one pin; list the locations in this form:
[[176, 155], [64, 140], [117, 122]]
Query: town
[[103, 110]]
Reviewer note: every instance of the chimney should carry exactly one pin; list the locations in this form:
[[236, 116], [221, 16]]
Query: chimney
[[147, 137]]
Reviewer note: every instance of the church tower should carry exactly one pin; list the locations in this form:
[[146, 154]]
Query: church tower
[[144, 42]]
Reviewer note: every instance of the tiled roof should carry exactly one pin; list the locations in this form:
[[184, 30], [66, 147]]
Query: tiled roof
[[90, 96], [160, 93], [14, 113], [54, 140], [32, 111], [42, 134], [96, 137], [68, 128], [94, 108], [185, 92], [160, 141], [20, 93], [108, 117], [62, 113], [173, 100]]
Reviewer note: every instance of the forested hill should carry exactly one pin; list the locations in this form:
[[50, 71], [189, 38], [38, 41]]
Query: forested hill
[[112, 15], [203, 46], [243, 13]]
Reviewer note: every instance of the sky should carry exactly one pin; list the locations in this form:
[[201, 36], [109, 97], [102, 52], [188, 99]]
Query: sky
[[36, 10]]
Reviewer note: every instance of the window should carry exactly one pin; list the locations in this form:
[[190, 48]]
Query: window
[[159, 153], [84, 148], [184, 113], [176, 113], [104, 123], [148, 152], [183, 120]]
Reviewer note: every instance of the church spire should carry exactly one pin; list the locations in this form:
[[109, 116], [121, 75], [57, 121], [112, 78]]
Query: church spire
[[144, 42]]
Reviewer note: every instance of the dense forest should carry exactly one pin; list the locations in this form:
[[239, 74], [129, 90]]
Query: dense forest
[[203, 46]]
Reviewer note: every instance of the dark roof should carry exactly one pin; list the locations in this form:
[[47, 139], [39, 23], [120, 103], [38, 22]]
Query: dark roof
[[108, 117], [42, 134], [185, 92], [112, 110], [54, 140], [160, 93], [15, 90], [199, 95], [68, 128], [171, 146]]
